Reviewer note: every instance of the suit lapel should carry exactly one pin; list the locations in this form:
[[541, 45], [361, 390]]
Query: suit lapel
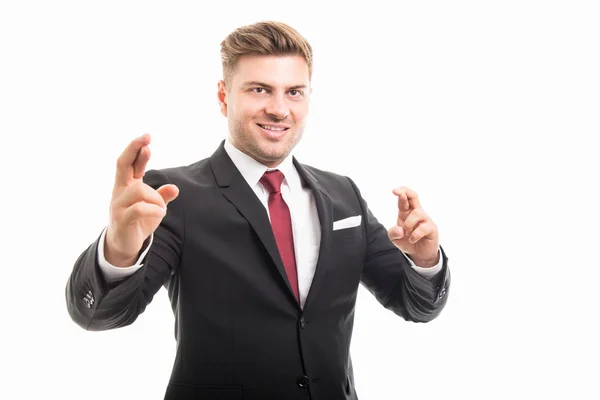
[[325, 212], [237, 192]]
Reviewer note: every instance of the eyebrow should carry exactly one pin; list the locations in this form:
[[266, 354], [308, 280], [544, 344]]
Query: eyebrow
[[265, 85]]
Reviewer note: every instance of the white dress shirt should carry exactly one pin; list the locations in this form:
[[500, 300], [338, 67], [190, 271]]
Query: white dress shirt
[[303, 211]]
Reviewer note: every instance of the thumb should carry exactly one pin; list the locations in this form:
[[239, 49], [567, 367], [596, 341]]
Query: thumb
[[396, 233], [168, 192]]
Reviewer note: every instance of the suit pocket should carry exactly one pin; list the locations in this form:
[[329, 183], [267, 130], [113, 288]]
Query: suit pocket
[[346, 233], [176, 391]]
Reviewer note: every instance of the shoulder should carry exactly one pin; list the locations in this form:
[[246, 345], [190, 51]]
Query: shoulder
[[331, 181], [179, 175]]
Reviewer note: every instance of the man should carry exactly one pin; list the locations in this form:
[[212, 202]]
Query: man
[[261, 255]]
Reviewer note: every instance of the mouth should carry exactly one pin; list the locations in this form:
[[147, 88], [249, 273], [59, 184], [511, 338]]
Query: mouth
[[274, 130]]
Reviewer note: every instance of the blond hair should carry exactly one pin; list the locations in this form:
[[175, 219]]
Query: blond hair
[[263, 38]]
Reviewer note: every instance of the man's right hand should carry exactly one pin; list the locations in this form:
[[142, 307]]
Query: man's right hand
[[136, 209]]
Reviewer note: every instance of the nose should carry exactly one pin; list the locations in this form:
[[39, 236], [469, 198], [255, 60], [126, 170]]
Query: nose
[[277, 107]]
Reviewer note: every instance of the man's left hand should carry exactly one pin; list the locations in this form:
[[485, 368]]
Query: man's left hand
[[415, 233]]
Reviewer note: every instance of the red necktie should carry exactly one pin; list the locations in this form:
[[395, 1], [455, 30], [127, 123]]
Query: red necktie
[[282, 225]]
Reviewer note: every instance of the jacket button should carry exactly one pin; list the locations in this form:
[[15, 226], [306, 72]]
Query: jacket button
[[303, 381], [88, 300], [302, 322]]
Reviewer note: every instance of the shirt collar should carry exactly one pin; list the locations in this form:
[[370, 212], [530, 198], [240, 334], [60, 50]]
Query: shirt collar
[[253, 170]]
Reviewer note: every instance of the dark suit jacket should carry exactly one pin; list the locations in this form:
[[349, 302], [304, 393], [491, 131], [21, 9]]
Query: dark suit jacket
[[240, 332]]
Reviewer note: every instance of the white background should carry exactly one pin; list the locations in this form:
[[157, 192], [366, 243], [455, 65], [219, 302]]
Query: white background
[[489, 110]]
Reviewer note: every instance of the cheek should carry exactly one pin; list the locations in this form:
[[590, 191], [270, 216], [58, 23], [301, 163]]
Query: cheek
[[249, 112], [300, 109], [300, 115]]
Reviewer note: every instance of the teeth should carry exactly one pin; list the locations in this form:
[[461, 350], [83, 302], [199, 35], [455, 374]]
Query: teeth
[[271, 128]]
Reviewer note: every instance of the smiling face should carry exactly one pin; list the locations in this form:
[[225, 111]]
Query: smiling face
[[266, 102]]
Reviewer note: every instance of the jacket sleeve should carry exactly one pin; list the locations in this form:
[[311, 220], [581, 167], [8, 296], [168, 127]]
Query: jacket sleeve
[[388, 275], [96, 305]]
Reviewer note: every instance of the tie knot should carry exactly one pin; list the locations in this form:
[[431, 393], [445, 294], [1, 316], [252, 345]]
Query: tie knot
[[271, 180]]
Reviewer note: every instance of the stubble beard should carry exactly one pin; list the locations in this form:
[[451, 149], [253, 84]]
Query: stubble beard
[[246, 142]]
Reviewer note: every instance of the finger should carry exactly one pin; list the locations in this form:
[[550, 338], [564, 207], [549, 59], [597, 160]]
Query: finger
[[423, 230], [143, 210], [415, 218], [403, 208], [139, 165], [168, 192], [141, 192], [125, 170], [396, 233], [410, 194]]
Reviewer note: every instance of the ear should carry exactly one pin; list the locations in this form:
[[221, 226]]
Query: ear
[[222, 97]]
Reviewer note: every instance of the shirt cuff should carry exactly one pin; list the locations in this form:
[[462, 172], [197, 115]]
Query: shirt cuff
[[112, 273], [427, 272]]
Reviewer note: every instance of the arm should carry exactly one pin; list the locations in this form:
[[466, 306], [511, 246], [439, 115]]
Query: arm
[[431, 272], [95, 304], [113, 273], [389, 276]]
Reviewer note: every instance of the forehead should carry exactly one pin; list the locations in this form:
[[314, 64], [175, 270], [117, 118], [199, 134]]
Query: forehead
[[274, 70]]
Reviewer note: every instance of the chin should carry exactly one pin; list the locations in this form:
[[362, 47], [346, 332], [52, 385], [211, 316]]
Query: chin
[[273, 153]]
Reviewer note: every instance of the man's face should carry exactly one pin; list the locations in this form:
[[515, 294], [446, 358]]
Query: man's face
[[266, 104]]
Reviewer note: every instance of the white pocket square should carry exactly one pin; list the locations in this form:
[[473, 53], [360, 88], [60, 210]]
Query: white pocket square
[[347, 222]]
